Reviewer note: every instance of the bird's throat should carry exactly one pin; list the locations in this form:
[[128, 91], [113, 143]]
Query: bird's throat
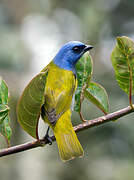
[[65, 65]]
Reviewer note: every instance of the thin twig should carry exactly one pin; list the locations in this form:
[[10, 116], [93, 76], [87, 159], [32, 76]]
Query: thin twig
[[81, 116], [78, 128], [81, 100], [130, 88]]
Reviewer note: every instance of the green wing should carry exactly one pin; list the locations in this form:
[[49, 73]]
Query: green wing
[[29, 106]]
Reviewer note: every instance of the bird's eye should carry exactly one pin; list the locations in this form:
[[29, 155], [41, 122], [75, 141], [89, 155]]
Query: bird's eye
[[76, 49]]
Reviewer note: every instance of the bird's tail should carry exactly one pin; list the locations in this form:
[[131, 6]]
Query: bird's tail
[[67, 141]]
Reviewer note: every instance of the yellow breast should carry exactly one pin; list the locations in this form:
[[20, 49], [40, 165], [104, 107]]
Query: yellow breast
[[59, 89]]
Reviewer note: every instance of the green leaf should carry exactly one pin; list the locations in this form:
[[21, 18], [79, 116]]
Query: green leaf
[[84, 69], [122, 58], [3, 92], [30, 103], [98, 96], [5, 129], [4, 109]]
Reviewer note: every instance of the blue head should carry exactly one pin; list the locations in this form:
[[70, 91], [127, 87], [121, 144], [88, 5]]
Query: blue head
[[69, 54]]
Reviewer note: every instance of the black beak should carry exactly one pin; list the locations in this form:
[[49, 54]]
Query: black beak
[[87, 48]]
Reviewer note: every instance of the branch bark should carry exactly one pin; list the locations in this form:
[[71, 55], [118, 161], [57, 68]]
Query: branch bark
[[88, 124]]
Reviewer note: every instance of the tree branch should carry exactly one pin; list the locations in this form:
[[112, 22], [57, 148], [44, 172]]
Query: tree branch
[[78, 128]]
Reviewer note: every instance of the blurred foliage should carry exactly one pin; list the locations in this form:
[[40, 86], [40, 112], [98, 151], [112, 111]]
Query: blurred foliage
[[30, 28]]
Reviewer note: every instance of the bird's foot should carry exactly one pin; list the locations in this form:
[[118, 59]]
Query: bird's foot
[[47, 137]]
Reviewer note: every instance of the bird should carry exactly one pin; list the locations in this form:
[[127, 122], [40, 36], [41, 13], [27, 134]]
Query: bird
[[59, 91], [55, 107]]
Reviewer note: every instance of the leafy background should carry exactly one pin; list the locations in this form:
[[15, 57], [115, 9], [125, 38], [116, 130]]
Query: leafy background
[[31, 32]]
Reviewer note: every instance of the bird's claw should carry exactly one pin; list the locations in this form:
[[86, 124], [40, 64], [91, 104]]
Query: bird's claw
[[47, 137]]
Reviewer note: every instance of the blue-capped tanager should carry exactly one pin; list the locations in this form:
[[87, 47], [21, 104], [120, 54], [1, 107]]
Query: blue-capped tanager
[[60, 88], [52, 100]]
